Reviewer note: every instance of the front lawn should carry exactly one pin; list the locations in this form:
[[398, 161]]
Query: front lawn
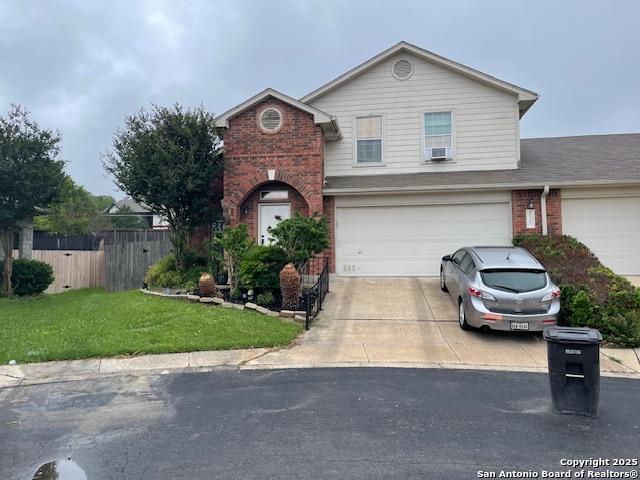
[[95, 323]]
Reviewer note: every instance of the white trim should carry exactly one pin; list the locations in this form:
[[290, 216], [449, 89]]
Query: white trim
[[526, 96], [261, 116], [423, 143], [393, 66], [354, 160], [479, 186], [319, 117]]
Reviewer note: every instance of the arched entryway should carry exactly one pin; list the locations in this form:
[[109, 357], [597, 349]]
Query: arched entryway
[[267, 205]]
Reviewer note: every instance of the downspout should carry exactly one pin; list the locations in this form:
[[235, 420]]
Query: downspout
[[543, 209]]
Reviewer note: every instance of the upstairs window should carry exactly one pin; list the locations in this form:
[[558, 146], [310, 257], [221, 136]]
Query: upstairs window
[[438, 137], [369, 140]]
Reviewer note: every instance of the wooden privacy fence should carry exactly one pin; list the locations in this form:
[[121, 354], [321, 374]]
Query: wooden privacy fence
[[72, 269], [120, 266], [126, 264]]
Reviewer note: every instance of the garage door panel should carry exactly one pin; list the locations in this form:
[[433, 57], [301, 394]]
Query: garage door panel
[[411, 240], [609, 226]]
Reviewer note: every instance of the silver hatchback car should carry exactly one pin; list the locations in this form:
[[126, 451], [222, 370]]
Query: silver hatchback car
[[500, 288]]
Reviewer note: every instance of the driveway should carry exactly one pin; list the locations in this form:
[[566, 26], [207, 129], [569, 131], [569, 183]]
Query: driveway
[[410, 321]]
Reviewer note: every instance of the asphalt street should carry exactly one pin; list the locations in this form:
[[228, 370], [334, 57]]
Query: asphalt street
[[320, 423]]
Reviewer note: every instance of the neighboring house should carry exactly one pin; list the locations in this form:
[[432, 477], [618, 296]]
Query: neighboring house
[[144, 212], [411, 156]]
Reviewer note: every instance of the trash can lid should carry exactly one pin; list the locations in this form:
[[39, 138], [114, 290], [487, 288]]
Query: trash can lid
[[572, 335]]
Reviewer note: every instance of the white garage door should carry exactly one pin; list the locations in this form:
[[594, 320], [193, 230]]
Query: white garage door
[[401, 240], [608, 223]]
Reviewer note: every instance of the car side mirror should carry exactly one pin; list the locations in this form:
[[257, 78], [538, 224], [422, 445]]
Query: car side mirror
[[446, 258]]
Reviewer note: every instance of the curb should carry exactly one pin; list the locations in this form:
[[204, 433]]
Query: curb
[[94, 369]]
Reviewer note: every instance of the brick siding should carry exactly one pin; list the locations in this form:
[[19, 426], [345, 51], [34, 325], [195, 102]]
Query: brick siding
[[519, 201]]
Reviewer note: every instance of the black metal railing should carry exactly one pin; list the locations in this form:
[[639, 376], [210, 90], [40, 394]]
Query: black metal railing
[[313, 296]]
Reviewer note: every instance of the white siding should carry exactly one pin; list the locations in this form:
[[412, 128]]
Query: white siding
[[486, 134]]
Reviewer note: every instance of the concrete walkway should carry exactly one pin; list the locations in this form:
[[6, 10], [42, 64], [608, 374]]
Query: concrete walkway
[[410, 322]]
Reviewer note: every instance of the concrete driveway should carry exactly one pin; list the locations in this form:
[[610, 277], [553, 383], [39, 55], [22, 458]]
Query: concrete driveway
[[409, 321]]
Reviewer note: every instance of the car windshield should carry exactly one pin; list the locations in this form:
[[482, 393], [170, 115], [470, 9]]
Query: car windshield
[[516, 281]]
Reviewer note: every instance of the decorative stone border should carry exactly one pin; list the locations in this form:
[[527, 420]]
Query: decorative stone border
[[298, 316]]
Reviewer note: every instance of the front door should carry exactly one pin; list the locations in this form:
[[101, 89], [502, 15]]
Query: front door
[[270, 214]]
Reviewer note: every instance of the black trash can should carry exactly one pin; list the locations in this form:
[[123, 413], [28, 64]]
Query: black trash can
[[573, 354]]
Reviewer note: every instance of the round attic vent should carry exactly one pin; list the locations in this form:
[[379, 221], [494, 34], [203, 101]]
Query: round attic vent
[[402, 69], [270, 120]]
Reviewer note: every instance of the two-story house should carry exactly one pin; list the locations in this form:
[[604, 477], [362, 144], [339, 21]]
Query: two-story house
[[411, 156]]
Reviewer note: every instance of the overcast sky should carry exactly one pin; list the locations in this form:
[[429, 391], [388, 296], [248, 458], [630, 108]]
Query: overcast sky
[[81, 66]]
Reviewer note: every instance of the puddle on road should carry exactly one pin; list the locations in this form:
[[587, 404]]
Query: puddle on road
[[60, 470]]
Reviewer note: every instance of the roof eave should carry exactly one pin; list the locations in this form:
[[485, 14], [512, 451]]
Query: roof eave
[[319, 117], [488, 186]]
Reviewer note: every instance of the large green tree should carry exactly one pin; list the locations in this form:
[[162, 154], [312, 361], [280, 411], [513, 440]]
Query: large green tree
[[126, 219], [170, 159], [77, 212], [31, 177]]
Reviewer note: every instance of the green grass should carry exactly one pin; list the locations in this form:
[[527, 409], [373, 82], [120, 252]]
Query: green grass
[[95, 323]]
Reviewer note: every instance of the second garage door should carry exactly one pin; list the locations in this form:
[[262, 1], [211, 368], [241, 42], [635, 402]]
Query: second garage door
[[608, 222], [384, 237]]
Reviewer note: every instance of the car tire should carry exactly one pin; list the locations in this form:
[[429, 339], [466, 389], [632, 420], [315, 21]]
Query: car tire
[[443, 285], [462, 316]]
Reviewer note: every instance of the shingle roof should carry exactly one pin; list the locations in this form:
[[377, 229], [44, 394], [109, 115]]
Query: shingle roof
[[131, 204], [559, 161]]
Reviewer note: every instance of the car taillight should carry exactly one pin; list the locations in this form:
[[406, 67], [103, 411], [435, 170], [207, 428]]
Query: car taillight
[[474, 292], [551, 296]]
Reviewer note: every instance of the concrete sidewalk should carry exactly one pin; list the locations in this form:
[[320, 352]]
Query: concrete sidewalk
[[36, 373], [400, 322]]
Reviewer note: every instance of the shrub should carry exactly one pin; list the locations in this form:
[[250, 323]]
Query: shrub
[[164, 273], [261, 267], [265, 299], [230, 248], [235, 295], [301, 237], [29, 277], [592, 295]]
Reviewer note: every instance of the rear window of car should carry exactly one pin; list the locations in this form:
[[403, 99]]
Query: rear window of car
[[513, 280]]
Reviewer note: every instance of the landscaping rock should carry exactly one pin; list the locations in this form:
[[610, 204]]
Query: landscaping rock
[[206, 300], [217, 301], [287, 313], [301, 312], [300, 318], [251, 306], [262, 309], [226, 305], [193, 298], [273, 314], [238, 306]]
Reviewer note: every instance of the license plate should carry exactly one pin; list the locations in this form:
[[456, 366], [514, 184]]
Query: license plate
[[519, 326]]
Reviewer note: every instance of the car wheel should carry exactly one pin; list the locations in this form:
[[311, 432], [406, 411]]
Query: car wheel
[[462, 317], [443, 285]]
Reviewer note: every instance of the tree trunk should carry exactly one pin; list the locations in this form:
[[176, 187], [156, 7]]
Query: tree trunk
[[6, 241]]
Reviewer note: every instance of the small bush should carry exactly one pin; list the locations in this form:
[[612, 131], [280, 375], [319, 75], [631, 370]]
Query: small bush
[[592, 295], [29, 277], [265, 299], [260, 268], [164, 274], [235, 295]]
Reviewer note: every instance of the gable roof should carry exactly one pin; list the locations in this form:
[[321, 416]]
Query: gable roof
[[131, 204], [526, 98], [587, 160], [328, 122]]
